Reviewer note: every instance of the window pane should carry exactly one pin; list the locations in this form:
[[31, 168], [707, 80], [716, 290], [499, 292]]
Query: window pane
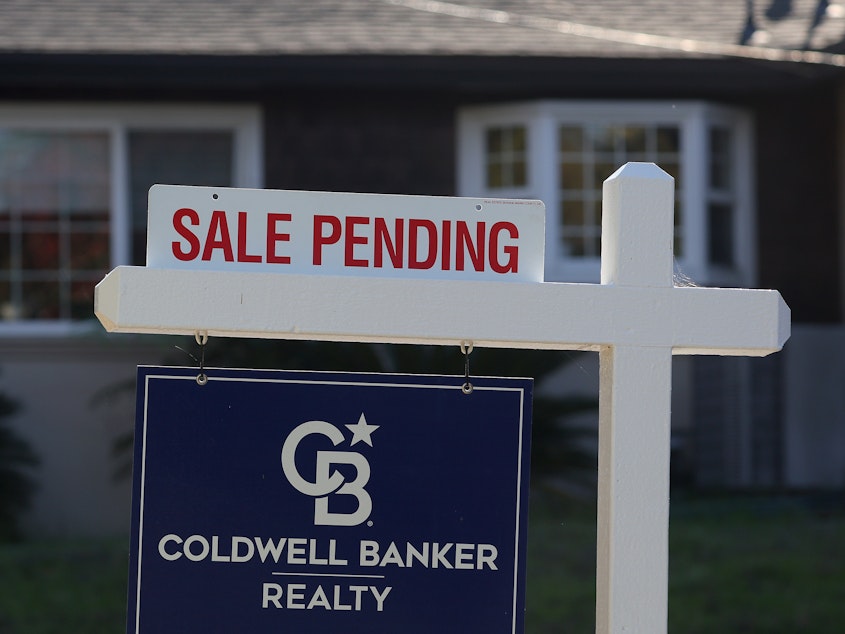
[[7, 309], [635, 139], [575, 246], [5, 252], [601, 172], [89, 251], [668, 139], [41, 300], [506, 157], [495, 177], [720, 222], [82, 298], [679, 242], [720, 158], [518, 139], [597, 215], [494, 140], [41, 250], [582, 173], [572, 176], [573, 213], [202, 157], [672, 168], [604, 139], [519, 173], [571, 139], [53, 185]]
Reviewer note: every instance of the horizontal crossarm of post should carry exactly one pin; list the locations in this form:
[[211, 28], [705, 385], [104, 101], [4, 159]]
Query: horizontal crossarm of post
[[546, 315]]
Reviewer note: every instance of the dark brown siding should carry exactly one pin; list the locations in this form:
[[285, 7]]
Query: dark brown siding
[[342, 141], [797, 222]]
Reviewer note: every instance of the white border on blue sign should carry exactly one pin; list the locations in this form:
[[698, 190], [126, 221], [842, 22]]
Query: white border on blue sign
[[148, 377]]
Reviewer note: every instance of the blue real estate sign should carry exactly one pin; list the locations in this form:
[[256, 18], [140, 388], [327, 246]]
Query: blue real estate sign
[[270, 501]]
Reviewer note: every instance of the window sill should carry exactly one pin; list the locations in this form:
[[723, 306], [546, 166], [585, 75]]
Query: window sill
[[49, 328], [588, 271]]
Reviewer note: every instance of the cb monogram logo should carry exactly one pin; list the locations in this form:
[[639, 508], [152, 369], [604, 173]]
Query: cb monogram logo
[[326, 480]]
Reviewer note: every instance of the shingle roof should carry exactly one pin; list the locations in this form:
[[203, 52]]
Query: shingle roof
[[557, 28]]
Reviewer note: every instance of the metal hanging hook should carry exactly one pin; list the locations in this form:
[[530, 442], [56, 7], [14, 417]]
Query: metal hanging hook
[[201, 337], [466, 350]]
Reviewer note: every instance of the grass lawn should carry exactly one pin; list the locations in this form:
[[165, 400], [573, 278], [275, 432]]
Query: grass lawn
[[63, 587], [737, 566]]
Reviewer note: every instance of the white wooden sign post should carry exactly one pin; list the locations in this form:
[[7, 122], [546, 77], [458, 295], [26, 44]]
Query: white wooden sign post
[[636, 319]]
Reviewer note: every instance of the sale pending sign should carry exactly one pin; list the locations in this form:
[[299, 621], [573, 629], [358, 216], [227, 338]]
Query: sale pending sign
[[345, 234], [270, 501]]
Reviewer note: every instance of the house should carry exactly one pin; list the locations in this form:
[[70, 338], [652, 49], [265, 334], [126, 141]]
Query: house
[[740, 100]]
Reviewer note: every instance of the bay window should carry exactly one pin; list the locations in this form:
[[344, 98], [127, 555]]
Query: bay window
[[561, 153]]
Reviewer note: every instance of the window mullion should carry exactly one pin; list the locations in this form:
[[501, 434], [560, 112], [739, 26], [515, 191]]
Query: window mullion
[[544, 181], [65, 272], [16, 258], [247, 162], [695, 196], [120, 219]]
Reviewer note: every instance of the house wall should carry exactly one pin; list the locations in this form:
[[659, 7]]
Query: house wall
[[77, 403], [814, 407], [737, 430], [773, 422]]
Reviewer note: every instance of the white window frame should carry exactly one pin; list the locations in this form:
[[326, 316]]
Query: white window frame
[[118, 120], [693, 118]]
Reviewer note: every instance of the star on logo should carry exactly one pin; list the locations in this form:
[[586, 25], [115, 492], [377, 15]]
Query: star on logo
[[362, 431]]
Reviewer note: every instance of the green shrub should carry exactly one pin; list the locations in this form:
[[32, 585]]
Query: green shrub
[[16, 482]]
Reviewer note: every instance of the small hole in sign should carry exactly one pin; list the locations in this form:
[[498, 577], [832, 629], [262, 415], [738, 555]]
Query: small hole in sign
[[478, 207], [215, 196]]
